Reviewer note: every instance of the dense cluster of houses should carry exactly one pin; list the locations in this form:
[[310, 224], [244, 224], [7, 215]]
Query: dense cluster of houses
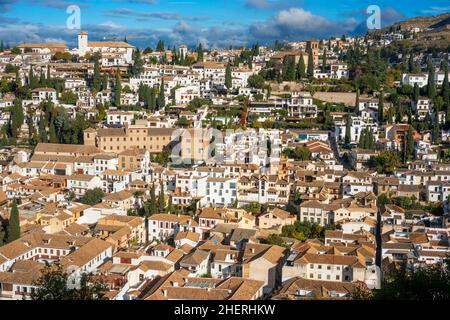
[[224, 196]]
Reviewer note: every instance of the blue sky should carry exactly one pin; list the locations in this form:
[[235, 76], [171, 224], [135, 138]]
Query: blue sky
[[215, 23]]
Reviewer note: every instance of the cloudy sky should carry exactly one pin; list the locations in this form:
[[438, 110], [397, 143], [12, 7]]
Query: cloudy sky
[[214, 23]]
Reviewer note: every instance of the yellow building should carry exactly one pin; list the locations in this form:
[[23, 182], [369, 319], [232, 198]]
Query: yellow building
[[132, 137]]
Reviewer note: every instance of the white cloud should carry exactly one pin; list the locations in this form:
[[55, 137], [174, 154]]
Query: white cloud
[[297, 23]]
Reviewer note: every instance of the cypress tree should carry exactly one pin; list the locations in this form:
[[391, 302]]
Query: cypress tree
[[42, 81], [2, 47], [13, 223], [153, 204], [32, 80], [117, 90], [431, 84], [42, 131], [357, 100], [348, 138], [52, 133], [17, 117], [436, 130], [362, 140], [409, 146], [381, 107], [48, 78], [18, 82], [200, 53], [301, 68], [416, 92], [105, 81], [161, 97], [152, 102], [96, 80], [310, 71], [170, 205], [161, 200], [445, 85], [411, 64], [138, 64], [160, 46], [228, 78], [324, 61], [2, 235]]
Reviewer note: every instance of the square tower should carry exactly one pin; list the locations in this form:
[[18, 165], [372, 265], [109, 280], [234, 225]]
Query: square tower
[[82, 43]]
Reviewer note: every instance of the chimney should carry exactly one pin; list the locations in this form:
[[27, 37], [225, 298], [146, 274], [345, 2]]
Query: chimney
[[165, 292]]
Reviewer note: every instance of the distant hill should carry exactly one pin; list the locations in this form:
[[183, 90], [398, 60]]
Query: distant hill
[[436, 31], [432, 22]]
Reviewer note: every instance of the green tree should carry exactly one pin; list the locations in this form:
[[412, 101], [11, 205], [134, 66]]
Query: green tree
[[161, 102], [105, 81], [138, 64], [348, 124], [274, 239], [301, 68], [381, 107], [43, 137], [324, 61], [358, 93], [33, 81], [431, 87], [92, 197], [152, 207], [53, 285], [17, 117], [160, 46], [13, 230], [96, 80], [52, 133], [161, 199], [228, 78], [256, 81], [200, 53], [310, 71], [408, 153], [405, 284], [69, 97], [445, 93], [117, 90], [2, 234], [299, 153], [436, 133], [416, 92], [386, 162], [289, 70]]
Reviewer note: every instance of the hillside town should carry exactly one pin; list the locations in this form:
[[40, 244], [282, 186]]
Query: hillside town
[[295, 171]]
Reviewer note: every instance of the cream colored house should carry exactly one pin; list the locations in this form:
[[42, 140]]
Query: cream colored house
[[276, 217]]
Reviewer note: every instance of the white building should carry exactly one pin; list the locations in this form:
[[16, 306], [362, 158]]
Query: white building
[[121, 51], [412, 78], [184, 95]]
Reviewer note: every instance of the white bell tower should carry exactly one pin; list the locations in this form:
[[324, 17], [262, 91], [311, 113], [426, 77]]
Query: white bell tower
[[82, 43]]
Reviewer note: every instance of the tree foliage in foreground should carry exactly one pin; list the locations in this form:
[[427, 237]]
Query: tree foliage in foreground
[[92, 197], [52, 285], [423, 283]]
